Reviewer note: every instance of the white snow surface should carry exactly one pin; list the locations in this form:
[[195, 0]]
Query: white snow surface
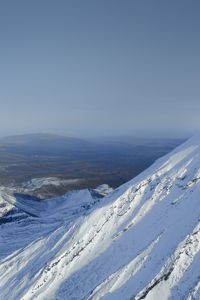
[[141, 241], [104, 189]]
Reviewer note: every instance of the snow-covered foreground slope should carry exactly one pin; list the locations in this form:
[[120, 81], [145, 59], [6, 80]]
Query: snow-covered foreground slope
[[142, 241]]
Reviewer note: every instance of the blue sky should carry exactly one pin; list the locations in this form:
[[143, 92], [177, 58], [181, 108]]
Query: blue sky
[[104, 67]]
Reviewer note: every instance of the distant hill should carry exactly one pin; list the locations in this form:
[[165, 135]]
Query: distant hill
[[25, 139], [44, 144]]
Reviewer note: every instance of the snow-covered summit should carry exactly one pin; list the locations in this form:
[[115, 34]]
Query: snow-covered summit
[[141, 241]]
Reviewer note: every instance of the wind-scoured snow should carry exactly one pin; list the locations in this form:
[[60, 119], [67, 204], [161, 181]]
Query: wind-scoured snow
[[141, 241]]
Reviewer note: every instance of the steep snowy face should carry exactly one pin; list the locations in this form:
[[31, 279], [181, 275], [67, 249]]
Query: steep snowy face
[[142, 241]]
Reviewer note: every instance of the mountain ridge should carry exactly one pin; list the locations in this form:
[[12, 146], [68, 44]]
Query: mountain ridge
[[142, 241]]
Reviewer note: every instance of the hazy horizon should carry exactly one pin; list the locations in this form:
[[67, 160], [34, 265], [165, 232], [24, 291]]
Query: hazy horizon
[[100, 68], [134, 134]]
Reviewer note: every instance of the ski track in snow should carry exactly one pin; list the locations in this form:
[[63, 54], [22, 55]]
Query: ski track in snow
[[142, 241]]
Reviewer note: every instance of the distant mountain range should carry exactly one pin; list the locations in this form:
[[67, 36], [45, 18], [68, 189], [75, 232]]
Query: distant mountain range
[[56, 144], [141, 241]]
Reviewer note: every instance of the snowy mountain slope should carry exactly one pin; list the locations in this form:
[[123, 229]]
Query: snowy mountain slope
[[21, 214], [142, 241]]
